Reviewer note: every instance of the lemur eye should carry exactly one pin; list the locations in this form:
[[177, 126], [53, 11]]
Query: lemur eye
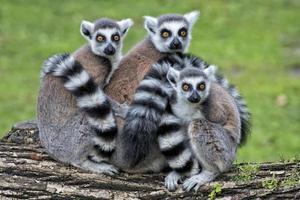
[[182, 32], [100, 38], [165, 33], [116, 37], [185, 87], [201, 86]]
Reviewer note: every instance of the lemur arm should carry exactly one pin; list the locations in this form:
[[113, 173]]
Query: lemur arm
[[222, 110]]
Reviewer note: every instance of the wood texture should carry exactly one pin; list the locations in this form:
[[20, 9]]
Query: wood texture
[[26, 172]]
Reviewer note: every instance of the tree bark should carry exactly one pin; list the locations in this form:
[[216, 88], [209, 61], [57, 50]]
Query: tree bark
[[26, 172]]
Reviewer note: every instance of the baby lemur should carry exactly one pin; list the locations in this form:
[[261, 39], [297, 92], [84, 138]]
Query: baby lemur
[[75, 120], [213, 132]]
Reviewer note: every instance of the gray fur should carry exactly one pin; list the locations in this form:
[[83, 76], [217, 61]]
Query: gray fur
[[215, 150], [170, 17], [106, 23]]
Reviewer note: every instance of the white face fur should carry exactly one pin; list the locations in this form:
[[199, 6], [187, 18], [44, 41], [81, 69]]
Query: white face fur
[[106, 42], [192, 89], [172, 35]]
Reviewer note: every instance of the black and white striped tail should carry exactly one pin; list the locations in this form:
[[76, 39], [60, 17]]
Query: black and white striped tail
[[144, 115], [180, 61], [90, 99], [173, 143]]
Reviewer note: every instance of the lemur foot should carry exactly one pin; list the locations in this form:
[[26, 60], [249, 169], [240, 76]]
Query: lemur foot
[[102, 168], [198, 180], [109, 170], [171, 181]]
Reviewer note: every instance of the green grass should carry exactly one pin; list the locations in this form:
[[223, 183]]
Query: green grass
[[255, 43]]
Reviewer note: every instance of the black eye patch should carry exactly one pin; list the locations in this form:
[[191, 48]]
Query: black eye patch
[[165, 33], [115, 37], [100, 38], [182, 32]]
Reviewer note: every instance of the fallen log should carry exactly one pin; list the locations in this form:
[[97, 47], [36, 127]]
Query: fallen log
[[27, 172]]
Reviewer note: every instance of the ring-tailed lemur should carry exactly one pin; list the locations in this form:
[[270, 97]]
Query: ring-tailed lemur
[[142, 131], [75, 119], [104, 38], [168, 34], [199, 100], [155, 92]]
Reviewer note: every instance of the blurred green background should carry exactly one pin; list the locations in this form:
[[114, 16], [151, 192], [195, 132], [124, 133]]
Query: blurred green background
[[256, 44]]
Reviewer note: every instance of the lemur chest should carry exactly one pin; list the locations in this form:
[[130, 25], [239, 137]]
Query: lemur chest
[[186, 111]]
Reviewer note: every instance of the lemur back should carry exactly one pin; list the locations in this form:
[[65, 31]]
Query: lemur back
[[70, 98]]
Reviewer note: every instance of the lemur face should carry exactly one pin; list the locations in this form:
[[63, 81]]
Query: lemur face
[[105, 35], [192, 84], [171, 33]]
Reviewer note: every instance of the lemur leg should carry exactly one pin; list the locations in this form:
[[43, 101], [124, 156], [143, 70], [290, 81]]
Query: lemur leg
[[173, 143], [213, 147]]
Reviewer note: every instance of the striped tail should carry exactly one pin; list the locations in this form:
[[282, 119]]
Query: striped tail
[[90, 99], [173, 143], [144, 115]]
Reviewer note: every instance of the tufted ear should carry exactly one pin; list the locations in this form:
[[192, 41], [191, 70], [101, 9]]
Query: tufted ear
[[125, 24], [210, 72], [192, 17], [173, 76], [87, 29], [150, 24]]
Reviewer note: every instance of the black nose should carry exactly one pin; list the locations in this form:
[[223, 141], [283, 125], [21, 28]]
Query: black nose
[[175, 44], [109, 50], [194, 98]]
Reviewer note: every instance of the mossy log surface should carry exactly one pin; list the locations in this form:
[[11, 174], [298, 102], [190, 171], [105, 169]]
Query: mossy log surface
[[27, 172]]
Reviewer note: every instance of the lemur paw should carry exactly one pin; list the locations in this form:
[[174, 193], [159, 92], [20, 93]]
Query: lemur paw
[[104, 168], [191, 183], [110, 170], [198, 180], [171, 181]]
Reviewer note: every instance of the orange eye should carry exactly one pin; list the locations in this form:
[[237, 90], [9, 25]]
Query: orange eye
[[201, 86], [165, 34], [116, 38], [100, 38], [183, 33], [185, 87]]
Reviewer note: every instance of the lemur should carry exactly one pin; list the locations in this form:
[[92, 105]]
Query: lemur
[[154, 115], [168, 34], [213, 122], [75, 119], [149, 105]]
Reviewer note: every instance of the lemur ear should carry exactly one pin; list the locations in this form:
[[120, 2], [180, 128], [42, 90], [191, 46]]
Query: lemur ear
[[210, 71], [86, 29], [192, 17], [150, 24], [173, 76], [125, 24]]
